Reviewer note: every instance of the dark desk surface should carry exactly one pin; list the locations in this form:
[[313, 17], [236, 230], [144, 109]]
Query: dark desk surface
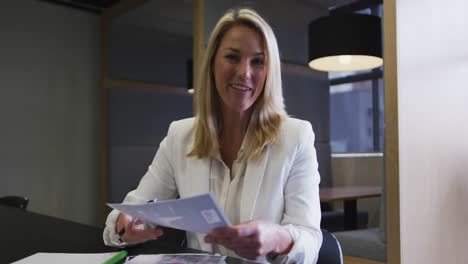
[[25, 233], [349, 193]]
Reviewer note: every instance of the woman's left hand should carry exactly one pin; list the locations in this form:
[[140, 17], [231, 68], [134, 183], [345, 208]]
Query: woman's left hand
[[253, 239]]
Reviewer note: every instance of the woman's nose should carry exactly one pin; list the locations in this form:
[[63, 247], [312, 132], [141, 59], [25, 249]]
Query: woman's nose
[[244, 70]]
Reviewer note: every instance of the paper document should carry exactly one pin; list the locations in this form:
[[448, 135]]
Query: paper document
[[91, 258], [199, 213], [177, 258]]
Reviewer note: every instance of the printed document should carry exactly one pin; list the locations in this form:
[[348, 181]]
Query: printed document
[[177, 258], [69, 258], [199, 213]]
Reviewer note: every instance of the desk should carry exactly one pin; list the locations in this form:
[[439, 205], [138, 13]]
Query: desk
[[25, 233], [349, 195]]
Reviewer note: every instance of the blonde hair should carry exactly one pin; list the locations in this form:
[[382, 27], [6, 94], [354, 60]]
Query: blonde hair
[[268, 111]]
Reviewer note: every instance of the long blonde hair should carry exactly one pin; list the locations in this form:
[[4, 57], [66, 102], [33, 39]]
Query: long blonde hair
[[268, 111]]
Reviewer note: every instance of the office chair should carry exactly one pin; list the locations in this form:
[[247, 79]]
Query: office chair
[[15, 201], [330, 252]]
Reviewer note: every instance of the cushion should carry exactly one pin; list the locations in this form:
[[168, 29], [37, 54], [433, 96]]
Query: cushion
[[363, 243]]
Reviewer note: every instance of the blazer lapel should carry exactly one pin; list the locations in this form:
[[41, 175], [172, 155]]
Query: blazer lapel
[[199, 171], [252, 181]]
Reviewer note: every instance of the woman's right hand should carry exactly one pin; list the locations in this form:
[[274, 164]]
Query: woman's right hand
[[133, 233]]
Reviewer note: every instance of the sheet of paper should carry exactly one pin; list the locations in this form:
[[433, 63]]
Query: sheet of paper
[[177, 259], [91, 258], [199, 213]]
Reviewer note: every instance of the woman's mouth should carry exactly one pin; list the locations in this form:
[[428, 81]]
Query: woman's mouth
[[240, 87]]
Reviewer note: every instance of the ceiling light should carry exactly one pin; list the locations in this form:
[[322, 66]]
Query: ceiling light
[[345, 42]]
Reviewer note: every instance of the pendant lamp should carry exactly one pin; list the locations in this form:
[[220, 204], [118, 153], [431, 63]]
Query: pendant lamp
[[345, 42]]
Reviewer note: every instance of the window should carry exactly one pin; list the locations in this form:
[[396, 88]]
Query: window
[[356, 114]]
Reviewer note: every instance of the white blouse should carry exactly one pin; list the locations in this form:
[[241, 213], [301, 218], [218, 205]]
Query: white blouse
[[226, 185]]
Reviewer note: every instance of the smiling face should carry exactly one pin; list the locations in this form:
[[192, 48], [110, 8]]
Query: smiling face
[[239, 68]]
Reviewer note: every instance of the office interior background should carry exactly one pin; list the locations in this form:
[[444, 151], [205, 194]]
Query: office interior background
[[51, 102]]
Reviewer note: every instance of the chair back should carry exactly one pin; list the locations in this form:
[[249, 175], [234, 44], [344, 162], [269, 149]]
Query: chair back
[[15, 201], [330, 252]]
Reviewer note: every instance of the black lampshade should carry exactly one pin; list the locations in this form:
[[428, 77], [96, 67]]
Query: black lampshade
[[345, 42]]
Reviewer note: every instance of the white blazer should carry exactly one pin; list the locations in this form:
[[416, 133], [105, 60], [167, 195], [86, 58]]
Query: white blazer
[[282, 187]]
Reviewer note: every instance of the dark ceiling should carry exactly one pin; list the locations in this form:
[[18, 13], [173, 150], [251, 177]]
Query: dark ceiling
[[95, 6], [97, 3]]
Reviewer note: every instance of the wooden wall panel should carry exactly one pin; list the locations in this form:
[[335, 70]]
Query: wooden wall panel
[[432, 110], [391, 150]]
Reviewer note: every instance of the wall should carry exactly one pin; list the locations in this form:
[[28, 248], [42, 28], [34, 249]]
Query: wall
[[49, 79], [432, 54], [148, 54], [142, 51]]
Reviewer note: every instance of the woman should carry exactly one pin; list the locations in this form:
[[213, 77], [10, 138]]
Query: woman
[[242, 146]]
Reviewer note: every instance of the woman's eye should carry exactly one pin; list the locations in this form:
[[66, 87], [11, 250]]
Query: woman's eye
[[232, 57], [258, 61]]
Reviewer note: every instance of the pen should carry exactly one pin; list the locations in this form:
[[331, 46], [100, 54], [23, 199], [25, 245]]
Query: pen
[[122, 231], [117, 258]]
